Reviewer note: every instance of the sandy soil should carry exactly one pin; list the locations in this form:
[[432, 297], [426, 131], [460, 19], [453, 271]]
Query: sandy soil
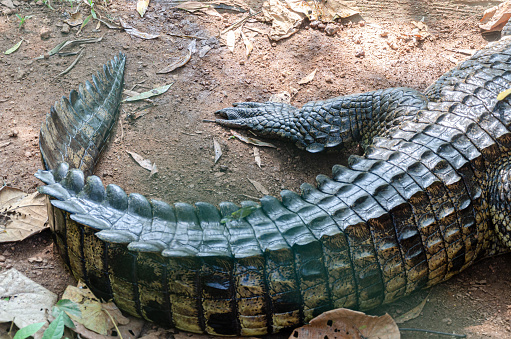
[[173, 135]]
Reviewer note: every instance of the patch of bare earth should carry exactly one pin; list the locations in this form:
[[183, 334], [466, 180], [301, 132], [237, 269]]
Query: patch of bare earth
[[360, 57]]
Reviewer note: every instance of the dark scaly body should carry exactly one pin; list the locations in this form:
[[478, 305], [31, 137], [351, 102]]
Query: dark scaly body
[[421, 205]]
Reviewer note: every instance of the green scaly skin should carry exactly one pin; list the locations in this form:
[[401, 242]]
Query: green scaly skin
[[429, 197]]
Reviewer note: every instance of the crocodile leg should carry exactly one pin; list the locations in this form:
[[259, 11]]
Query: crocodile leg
[[329, 123]]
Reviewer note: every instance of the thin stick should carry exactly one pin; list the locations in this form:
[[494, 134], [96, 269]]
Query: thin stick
[[72, 65], [433, 332]]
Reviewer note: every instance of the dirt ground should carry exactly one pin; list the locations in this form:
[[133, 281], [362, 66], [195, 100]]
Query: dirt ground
[[372, 54]]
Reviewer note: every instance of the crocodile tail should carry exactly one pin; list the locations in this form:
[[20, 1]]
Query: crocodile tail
[[77, 128]]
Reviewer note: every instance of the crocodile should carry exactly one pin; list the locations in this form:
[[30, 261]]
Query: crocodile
[[428, 198]]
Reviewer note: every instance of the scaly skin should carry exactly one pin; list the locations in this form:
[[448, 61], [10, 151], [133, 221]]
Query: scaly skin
[[421, 205]]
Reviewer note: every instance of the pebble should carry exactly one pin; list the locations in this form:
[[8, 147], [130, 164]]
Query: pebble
[[329, 79], [315, 24], [448, 321], [6, 253], [28, 154], [65, 29], [362, 23], [13, 133], [44, 33], [2, 258], [331, 29], [321, 26], [360, 53]]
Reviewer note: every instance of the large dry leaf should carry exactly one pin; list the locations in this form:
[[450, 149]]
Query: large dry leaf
[[495, 18], [23, 301], [344, 323], [95, 315], [21, 214]]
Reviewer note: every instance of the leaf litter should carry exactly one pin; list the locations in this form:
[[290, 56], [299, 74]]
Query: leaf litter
[[21, 214], [345, 323], [144, 163], [182, 60], [23, 301]]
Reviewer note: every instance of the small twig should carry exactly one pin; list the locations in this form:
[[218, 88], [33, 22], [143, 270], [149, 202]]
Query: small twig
[[208, 120], [72, 65], [186, 36], [432, 332], [461, 51], [113, 321]]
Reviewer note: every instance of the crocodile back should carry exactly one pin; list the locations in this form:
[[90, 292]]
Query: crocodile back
[[408, 214]]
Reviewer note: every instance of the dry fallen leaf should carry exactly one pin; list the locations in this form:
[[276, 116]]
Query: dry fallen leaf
[[135, 32], [23, 301], [142, 7], [95, 315], [257, 156], [248, 44], [495, 18], [21, 214], [344, 323], [252, 141], [308, 78], [259, 187], [144, 163], [181, 61], [218, 150], [230, 40], [76, 19], [413, 313]]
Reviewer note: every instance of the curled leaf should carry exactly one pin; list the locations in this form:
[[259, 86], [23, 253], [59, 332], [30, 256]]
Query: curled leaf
[[182, 60], [144, 163], [258, 186], [13, 48], [149, 94], [252, 141]]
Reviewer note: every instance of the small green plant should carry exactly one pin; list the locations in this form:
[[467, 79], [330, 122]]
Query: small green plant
[[56, 328], [47, 3], [22, 20]]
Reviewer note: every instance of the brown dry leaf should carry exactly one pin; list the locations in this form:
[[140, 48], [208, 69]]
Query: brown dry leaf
[[142, 7], [21, 214], [495, 18], [344, 323], [258, 186], [308, 78], [96, 318], [23, 301], [76, 19], [144, 163]]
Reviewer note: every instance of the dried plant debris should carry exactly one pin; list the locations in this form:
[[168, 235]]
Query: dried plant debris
[[149, 94], [218, 150], [23, 301], [495, 18], [142, 7], [13, 48], [181, 61], [345, 323], [21, 214], [252, 141], [135, 32]]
